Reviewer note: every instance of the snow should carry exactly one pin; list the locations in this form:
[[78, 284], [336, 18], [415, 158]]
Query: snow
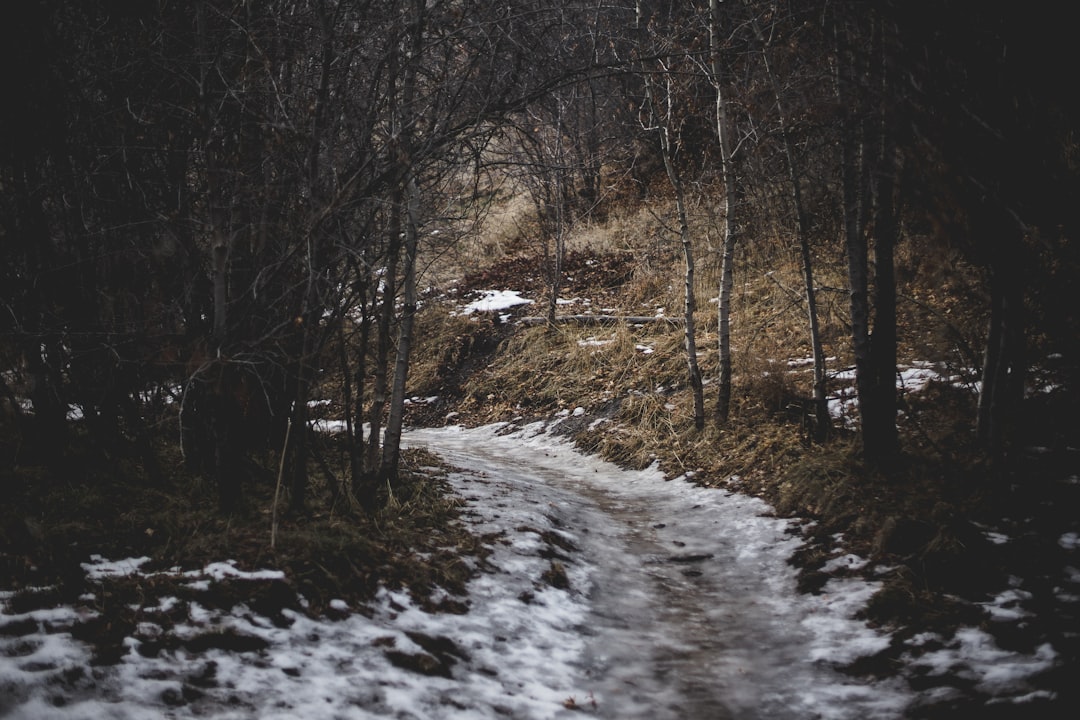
[[843, 404], [845, 562], [495, 300], [722, 635], [679, 603], [974, 656]]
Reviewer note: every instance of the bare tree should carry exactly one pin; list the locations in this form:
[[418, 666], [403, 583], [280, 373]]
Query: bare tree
[[822, 420], [659, 116], [868, 172], [728, 177]]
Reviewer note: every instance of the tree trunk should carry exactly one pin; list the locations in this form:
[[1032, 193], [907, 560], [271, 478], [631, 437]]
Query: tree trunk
[[727, 171], [880, 439], [863, 170], [297, 450], [383, 341], [1004, 362], [822, 421], [391, 455], [560, 220], [689, 303], [363, 484], [352, 421]]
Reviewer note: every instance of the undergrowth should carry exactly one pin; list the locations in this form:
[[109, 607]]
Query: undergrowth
[[416, 542]]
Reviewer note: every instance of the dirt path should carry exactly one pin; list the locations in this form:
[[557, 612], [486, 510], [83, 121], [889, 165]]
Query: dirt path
[[690, 606]]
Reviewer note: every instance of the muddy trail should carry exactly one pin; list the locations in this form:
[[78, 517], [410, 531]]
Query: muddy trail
[[689, 607]]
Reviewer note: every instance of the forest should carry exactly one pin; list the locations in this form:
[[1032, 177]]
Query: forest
[[218, 217]]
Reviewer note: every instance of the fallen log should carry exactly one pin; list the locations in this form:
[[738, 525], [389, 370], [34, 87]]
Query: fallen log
[[601, 320]]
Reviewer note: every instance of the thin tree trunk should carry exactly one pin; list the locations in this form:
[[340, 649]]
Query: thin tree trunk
[[383, 342], [297, 448], [363, 484], [727, 172], [822, 421], [392, 443], [351, 428], [560, 219], [1004, 362], [689, 303], [408, 205], [987, 429], [880, 439], [855, 176]]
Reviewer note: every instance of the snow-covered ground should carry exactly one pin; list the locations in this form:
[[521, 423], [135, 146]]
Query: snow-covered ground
[[609, 592]]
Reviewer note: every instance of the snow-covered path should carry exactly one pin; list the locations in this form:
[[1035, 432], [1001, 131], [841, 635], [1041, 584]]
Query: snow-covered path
[[680, 602], [607, 593]]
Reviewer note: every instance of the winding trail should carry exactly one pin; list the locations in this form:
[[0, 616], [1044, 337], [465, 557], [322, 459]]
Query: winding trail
[[688, 607]]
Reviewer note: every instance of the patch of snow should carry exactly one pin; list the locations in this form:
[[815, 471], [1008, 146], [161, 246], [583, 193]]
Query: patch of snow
[[330, 427], [228, 570], [495, 300], [974, 656], [1069, 541], [99, 568], [1006, 606], [844, 562]]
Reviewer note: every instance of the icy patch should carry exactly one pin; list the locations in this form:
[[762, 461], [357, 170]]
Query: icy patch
[[99, 568], [913, 378]]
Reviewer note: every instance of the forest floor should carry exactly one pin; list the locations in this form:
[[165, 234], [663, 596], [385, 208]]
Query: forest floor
[[955, 542]]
